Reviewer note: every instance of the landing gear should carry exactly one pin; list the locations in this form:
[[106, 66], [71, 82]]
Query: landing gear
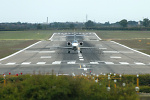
[[80, 51], [68, 51]]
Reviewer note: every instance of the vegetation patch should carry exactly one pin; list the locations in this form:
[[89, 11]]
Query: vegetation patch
[[52, 87]]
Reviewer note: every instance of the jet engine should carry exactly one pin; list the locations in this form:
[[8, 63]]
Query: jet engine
[[81, 43], [68, 43]]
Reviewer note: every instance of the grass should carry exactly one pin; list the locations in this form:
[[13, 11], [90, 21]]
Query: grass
[[125, 35], [128, 38], [25, 35], [8, 47], [142, 45]]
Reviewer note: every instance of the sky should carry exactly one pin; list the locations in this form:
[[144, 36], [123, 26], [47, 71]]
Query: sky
[[37, 11]]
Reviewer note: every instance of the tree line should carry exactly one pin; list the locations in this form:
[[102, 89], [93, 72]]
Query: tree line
[[120, 25]]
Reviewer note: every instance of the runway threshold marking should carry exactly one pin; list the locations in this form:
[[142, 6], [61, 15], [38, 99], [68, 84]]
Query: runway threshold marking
[[124, 63], [11, 63], [71, 62], [41, 63], [109, 63], [94, 63], [139, 63], [56, 62], [26, 63]]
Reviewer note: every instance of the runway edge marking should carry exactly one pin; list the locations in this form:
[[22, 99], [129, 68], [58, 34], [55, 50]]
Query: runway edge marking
[[52, 36], [19, 51], [97, 36], [131, 49]]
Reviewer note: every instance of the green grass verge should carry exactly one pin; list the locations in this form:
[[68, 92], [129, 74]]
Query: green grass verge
[[24, 35], [8, 47], [117, 35]]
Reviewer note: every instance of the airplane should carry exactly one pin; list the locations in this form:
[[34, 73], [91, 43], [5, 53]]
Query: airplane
[[75, 45]]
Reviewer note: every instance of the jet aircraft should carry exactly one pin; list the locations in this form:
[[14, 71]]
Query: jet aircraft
[[75, 45]]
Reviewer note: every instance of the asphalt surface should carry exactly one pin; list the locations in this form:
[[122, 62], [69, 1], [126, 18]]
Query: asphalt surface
[[45, 57]]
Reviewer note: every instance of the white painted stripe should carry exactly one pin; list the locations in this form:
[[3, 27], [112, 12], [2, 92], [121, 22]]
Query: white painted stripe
[[131, 49], [52, 36], [97, 36], [11, 63], [125, 52], [47, 52], [71, 62], [39, 51], [41, 63], [56, 62], [26, 63], [85, 69], [103, 48], [115, 57], [139, 63], [45, 56], [94, 63], [20, 51], [124, 63], [109, 63], [110, 51], [81, 59]]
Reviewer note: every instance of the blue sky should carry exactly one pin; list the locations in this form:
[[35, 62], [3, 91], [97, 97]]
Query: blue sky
[[36, 11]]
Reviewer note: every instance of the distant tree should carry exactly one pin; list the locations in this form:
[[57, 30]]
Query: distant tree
[[39, 26], [72, 26], [123, 23], [89, 24], [146, 22]]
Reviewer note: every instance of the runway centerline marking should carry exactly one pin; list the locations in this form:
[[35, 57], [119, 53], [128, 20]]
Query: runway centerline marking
[[81, 59]]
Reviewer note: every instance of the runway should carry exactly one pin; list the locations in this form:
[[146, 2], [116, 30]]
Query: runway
[[105, 57]]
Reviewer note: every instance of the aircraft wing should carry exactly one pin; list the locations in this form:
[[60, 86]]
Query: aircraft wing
[[87, 47], [60, 47]]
